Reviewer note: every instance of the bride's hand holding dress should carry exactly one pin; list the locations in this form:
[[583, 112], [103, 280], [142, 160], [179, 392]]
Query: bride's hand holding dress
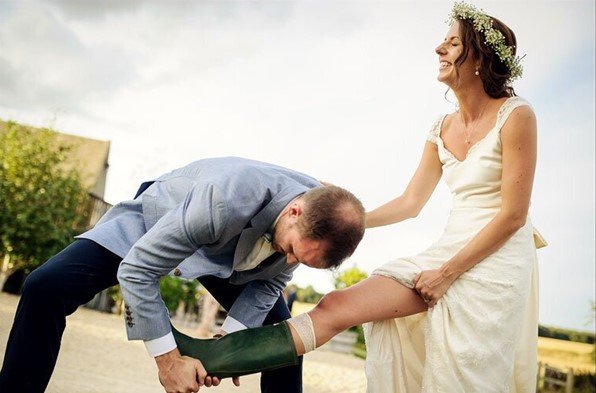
[[432, 285]]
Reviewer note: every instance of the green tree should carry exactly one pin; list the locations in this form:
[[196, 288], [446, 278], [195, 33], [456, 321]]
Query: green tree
[[344, 279], [308, 295], [174, 290], [349, 277], [42, 200]]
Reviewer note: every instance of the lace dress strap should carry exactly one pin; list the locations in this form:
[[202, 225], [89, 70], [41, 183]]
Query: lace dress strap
[[433, 134], [508, 107]]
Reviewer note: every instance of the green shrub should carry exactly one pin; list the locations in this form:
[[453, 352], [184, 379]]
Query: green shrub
[[584, 382], [175, 290], [308, 295], [172, 292], [347, 278]]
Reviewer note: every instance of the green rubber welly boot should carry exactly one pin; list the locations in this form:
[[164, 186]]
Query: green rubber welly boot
[[243, 352]]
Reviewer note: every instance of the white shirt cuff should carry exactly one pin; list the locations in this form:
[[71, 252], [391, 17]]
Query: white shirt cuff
[[161, 345], [231, 325]]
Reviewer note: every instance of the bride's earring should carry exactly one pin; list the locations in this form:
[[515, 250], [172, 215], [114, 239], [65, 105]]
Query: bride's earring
[[477, 72]]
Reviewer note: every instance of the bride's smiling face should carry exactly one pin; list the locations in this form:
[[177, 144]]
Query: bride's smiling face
[[449, 51]]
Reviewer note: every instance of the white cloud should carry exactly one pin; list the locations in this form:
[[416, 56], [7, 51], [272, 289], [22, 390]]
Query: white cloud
[[46, 67]]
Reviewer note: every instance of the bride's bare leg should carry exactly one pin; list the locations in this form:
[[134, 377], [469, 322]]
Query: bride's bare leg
[[269, 347], [375, 299]]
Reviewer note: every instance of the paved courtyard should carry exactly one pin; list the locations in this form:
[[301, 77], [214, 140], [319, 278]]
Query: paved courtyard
[[96, 357]]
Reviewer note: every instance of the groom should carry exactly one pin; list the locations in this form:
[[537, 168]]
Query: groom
[[240, 226]]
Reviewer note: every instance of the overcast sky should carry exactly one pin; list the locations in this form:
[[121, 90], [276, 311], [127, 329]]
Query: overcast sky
[[344, 91]]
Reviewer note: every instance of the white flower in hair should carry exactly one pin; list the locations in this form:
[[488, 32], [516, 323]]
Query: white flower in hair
[[492, 37]]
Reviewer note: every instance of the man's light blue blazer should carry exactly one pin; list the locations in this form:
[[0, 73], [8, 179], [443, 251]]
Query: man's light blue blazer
[[200, 220]]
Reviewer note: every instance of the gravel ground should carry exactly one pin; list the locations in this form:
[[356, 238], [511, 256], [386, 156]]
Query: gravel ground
[[96, 357]]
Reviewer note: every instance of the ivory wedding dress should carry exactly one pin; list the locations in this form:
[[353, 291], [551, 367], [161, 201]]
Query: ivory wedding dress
[[482, 334]]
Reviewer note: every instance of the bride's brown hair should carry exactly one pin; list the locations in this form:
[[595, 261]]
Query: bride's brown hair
[[494, 73]]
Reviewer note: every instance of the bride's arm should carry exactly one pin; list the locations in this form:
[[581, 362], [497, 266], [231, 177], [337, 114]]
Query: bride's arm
[[518, 139], [419, 190]]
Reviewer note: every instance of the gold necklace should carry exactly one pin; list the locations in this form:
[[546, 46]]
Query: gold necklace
[[467, 132]]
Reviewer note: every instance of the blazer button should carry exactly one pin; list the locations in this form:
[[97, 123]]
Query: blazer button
[[177, 272]]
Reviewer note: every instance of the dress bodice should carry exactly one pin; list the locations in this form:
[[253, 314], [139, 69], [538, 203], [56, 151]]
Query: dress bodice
[[475, 181]]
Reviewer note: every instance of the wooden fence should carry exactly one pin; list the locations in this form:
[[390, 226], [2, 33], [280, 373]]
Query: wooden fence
[[553, 379], [96, 208]]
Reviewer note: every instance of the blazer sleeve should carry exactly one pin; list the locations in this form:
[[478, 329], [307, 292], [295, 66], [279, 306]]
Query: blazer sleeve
[[258, 297], [199, 220]]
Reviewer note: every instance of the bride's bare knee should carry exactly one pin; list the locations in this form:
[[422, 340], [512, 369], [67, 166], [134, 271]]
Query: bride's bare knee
[[330, 302], [332, 308]]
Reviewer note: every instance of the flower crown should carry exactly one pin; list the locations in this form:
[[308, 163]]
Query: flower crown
[[492, 37]]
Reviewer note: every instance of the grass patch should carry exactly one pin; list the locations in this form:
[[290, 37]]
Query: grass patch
[[564, 354]]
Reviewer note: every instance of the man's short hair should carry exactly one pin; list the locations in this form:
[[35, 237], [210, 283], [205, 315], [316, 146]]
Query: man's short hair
[[336, 216]]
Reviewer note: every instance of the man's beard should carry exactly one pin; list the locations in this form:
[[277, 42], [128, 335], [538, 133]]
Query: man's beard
[[274, 244]]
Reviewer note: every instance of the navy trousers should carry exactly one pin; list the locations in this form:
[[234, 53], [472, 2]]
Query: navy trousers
[[72, 278]]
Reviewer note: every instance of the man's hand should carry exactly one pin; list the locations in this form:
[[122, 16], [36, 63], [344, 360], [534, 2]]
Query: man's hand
[[214, 381], [180, 374]]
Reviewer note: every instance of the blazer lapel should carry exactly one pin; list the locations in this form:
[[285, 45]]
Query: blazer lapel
[[270, 267], [246, 242]]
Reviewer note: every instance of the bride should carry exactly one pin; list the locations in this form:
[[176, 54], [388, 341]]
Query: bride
[[462, 315]]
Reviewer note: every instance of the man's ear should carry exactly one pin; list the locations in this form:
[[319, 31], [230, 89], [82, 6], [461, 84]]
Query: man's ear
[[296, 209]]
